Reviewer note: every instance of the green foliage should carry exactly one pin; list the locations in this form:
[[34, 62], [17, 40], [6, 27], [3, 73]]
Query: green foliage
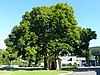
[[42, 27], [75, 64], [4, 55], [86, 36], [69, 68], [46, 31], [95, 50]]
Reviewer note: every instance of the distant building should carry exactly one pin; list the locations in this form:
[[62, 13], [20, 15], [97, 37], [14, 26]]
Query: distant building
[[61, 61], [71, 60]]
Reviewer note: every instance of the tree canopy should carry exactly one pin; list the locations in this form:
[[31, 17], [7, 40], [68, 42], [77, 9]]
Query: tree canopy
[[45, 31]]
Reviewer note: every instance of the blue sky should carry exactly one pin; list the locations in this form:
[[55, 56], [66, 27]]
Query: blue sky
[[87, 13]]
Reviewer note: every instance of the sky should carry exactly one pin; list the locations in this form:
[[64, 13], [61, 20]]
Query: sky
[[87, 13]]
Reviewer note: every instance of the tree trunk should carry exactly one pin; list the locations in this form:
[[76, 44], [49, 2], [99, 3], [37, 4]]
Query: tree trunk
[[55, 61], [36, 62], [45, 57], [87, 52], [45, 61], [87, 55], [29, 65]]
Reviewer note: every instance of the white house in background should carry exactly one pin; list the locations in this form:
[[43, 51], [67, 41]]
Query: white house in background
[[61, 61], [70, 60]]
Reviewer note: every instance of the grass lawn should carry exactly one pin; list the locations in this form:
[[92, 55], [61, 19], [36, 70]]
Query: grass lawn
[[34, 72]]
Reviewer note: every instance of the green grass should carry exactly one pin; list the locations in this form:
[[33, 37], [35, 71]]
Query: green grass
[[69, 68], [34, 72]]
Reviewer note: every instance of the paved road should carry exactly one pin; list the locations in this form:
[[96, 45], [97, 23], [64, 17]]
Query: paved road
[[86, 69], [84, 73], [80, 73]]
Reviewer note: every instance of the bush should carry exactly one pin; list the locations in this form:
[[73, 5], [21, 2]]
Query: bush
[[69, 68], [75, 64]]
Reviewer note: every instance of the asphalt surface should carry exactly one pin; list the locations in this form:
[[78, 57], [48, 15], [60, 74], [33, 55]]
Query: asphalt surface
[[88, 71], [84, 73]]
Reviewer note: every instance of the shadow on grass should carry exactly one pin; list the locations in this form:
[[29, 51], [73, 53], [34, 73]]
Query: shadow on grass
[[21, 68]]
